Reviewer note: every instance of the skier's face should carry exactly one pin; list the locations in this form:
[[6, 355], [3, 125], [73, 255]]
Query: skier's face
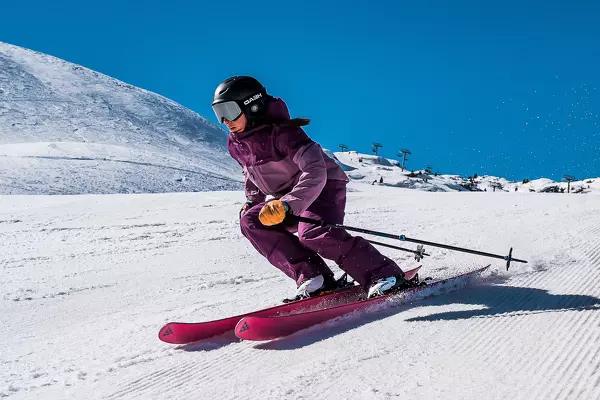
[[238, 125]]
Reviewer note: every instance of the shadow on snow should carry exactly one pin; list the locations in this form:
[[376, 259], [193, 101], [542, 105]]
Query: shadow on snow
[[499, 300], [210, 344]]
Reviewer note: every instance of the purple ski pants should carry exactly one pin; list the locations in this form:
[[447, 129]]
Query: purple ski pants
[[299, 257]]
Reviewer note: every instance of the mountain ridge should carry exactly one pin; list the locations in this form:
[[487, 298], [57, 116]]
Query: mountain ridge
[[44, 99]]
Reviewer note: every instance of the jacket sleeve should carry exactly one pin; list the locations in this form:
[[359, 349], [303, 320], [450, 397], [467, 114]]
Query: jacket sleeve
[[308, 156], [253, 193]]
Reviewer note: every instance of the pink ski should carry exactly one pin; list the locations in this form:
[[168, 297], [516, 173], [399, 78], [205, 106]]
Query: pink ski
[[272, 327], [183, 332]]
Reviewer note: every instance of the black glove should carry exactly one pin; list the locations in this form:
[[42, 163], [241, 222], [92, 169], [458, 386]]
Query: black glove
[[245, 207]]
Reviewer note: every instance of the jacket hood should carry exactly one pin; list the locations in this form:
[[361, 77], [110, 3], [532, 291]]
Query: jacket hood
[[277, 111]]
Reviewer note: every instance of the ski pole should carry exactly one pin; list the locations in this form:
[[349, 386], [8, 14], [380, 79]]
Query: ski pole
[[403, 238], [419, 253]]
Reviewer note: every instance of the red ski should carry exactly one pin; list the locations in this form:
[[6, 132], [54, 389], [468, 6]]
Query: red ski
[[257, 327], [184, 332]]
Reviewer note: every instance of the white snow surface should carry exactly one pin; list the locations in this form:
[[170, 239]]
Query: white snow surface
[[88, 280], [369, 169], [65, 129]]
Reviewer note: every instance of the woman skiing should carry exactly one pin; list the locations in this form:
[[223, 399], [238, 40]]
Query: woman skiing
[[280, 160]]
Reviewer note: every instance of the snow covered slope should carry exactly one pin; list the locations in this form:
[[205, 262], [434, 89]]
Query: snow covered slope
[[371, 169], [67, 129], [87, 281]]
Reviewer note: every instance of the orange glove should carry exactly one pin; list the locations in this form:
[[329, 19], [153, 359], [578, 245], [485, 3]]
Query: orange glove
[[273, 213]]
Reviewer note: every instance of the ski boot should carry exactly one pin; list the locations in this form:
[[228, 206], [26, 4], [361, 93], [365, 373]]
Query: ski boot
[[392, 284], [315, 286]]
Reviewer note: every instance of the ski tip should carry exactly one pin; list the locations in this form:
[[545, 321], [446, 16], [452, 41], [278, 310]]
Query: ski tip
[[242, 328], [250, 328], [167, 335]]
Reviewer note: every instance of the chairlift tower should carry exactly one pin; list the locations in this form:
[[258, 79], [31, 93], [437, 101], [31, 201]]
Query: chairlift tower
[[405, 153], [569, 179], [376, 147]]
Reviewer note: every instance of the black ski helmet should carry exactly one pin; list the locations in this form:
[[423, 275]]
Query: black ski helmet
[[247, 92]]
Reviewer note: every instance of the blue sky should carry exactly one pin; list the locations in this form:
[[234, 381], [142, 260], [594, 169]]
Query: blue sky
[[507, 88]]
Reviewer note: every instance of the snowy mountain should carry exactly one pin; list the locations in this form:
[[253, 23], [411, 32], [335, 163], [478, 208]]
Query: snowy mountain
[[375, 170], [65, 129], [87, 282]]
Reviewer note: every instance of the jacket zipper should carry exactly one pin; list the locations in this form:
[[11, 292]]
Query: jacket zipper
[[258, 181]]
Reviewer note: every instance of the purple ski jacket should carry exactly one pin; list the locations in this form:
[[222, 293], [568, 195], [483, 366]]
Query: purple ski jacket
[[283, 162]]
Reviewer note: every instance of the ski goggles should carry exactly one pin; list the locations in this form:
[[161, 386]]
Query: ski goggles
[[228, 110]]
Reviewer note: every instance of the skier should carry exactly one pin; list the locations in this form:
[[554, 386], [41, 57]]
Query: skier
[[280, 160]]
